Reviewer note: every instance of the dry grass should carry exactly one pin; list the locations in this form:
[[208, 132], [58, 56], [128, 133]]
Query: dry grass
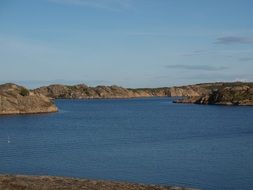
[[19, 182]]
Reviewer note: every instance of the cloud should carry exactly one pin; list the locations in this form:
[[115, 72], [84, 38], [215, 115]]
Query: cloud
[[234, 40], [246, 59], [110, 5], [196, 67]]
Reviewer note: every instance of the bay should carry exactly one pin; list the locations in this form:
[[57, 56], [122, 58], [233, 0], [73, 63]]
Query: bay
[[146, 140]]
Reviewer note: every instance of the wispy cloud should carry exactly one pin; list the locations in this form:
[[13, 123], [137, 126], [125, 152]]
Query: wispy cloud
[[110, 5], [234, 40], [196, 67]]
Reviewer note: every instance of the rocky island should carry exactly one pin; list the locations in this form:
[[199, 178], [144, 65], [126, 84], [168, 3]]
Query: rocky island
[[236, 93], [223, 94], [82, 91], [19, 182], [16, 99]]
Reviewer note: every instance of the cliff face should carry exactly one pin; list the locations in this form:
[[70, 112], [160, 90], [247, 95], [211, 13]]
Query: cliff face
[[225, 94], [16, 99]]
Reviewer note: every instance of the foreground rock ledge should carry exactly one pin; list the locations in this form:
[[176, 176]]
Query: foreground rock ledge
[[20, 182], [16, 99]]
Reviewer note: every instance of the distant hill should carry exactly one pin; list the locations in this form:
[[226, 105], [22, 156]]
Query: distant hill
[[16, 99], [82, 91], [236, 93]]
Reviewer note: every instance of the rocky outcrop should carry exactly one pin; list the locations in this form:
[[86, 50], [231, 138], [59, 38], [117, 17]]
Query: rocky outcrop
[[225, 94], [188, 91], [16, 99], [19, 182], [208, 93], [82, 91]]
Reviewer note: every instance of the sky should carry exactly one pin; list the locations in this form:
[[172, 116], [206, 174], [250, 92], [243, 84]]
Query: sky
[[130, 43]]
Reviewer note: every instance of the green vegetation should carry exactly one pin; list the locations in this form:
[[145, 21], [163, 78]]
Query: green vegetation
[[24, 92]]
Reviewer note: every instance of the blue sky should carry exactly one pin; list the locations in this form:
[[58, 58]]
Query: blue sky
[[132, 43]]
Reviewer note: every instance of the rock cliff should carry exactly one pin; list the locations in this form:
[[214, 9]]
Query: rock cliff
[[16, 99]]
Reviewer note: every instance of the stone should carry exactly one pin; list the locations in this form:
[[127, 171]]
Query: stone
[[16, 99]]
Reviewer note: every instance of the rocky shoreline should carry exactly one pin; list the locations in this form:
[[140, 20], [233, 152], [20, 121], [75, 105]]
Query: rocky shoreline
[[15, 99], [22, 182], [238, 94], [82, 91]]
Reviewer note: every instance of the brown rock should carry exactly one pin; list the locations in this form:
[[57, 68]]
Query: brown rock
[[85, 92], [226, 94], [20, 182], [16, 99]]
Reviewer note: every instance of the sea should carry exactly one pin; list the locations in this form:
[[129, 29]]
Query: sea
[[142, 140]]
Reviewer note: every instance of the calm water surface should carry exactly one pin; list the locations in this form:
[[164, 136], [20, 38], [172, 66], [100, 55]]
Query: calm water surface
[[138, 140]]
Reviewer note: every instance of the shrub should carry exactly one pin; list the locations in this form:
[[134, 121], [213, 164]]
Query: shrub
[[24, 92]]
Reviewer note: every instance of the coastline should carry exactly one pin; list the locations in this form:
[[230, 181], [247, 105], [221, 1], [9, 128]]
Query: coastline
[[15, 99], [25, 182]]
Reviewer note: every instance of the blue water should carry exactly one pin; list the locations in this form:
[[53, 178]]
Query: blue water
[[149, 141]]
